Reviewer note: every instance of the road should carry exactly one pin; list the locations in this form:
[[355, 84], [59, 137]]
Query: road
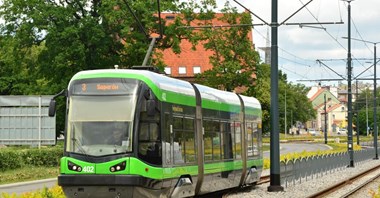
[[22, 187], [31, 186], [298, 148]]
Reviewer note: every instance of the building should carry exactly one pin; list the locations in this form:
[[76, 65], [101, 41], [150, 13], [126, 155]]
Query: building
[[190, 62], [330, 110]]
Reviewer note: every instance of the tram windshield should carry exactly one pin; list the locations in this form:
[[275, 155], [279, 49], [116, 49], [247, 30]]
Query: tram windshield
[[101, 124]]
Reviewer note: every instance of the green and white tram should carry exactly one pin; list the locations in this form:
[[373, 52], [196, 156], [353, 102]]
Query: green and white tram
[[136, 133]]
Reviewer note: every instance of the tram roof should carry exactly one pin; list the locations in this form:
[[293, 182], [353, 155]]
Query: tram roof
[[171, 89]]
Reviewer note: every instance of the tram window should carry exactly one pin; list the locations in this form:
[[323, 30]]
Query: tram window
[[255, 140], [179, 148], [188, 124], [212, 140], [148, 132], [184, 137], [249, 131], [208, 146], [233, 142], [177, 123], [150, 143], [238, 140], [216, 146], [227, 152], [190, 156]]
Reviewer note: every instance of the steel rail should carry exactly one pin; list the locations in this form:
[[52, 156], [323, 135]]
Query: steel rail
[[346, 182], [361, 186]]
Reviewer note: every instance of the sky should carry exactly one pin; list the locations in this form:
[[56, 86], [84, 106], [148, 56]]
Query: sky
[[300, 48]]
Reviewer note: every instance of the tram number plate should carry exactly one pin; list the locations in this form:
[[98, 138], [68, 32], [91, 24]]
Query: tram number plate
[[88, 169]]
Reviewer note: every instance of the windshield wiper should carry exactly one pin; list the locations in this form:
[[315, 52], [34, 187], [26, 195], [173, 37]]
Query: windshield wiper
[[81, 149]]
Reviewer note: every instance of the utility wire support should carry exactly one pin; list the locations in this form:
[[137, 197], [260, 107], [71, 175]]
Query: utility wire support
[[375, 130], [262, 20], [349, 108], [296, 12], [275, 183], [365, 70], [320, 62]]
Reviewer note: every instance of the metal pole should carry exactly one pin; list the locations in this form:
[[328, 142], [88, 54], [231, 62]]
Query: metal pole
[[285, 112], [275, 179], [325, 121], [357, 115], [149, 52], [366, 109], [349, 137], [374, 105], [39, 121]]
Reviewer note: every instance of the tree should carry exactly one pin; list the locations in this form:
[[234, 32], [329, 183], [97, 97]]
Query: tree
[[296, 99], [234, 59], [44, 43], [298, 106], [236, 64], [364, 104], [261, 90]]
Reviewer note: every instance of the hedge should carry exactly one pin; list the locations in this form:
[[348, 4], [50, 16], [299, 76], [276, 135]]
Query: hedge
[[15, 158]]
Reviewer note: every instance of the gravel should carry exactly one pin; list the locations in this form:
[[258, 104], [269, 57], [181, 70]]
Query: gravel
[[310, 187]]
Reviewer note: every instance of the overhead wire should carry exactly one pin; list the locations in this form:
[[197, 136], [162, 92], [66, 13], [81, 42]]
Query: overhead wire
[[327, 32]]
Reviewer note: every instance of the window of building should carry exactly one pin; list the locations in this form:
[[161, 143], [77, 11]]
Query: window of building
[[168, 70], [182, 70], [170, 17], [196, 69]]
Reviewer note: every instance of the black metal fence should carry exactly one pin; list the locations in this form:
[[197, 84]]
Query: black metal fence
[[299, 170]]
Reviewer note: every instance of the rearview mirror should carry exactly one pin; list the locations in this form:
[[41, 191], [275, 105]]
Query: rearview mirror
[[52, 107]]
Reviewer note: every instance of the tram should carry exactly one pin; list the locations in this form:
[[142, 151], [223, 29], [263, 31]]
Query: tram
[[137, 133]]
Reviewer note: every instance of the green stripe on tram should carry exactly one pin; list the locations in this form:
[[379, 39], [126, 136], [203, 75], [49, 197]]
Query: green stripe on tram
[[140, 168]]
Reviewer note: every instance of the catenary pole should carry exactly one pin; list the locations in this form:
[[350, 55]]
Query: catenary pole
[[349, 69], [275, 182]]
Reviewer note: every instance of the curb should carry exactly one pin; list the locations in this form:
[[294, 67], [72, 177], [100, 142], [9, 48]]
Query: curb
[[5, 186]]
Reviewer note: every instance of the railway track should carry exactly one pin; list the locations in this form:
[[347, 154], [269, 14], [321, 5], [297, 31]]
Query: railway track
[[370, 173], [264, 179]]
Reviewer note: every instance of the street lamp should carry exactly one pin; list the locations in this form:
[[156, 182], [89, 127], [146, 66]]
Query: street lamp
[[374, 93]]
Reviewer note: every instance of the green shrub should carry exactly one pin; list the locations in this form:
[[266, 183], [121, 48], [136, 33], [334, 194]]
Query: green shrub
[[15, 158], [42, 157], [10, 159]]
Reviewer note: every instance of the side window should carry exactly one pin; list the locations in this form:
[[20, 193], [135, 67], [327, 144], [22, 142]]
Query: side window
[[227, 141], [212, 140], [184, 140], [238, 140], [255, 141], [178, 145], [250, 146], [149, 136], [233, 139], [167, 140]]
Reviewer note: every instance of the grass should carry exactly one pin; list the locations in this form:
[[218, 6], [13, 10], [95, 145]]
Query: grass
[[28, 174]]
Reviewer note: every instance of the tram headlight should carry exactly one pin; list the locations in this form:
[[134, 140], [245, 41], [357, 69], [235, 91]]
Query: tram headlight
[[118, 167], [74, 167]]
